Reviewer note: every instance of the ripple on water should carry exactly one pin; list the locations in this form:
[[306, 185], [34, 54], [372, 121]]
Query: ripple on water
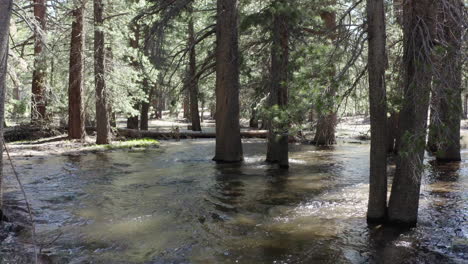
[[175, 205]]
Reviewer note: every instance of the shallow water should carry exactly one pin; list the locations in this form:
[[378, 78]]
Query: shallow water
[[174, 205]]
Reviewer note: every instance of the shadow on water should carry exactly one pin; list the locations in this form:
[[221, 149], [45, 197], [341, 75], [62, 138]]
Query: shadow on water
[[175, 205]]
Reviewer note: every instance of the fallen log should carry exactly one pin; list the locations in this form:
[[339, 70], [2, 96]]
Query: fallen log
[[133, 133], [20, 133]]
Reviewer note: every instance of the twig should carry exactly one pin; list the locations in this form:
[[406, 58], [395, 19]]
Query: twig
[[33, 227]]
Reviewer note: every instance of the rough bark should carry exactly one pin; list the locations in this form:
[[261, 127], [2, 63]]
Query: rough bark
[[5, 13], [448, 80], [228, 139], [277, 146], [192, 79], [327, 120], [418, 43], [102, 107], [76, 117], [377, 206], [38, 104]]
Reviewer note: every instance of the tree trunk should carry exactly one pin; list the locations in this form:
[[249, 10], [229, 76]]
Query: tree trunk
[[102, 107], [186, 103], [253, 122], [5, 13], [192, 79], [145, 105], [466, 106], [448, 78], [393, 132], [228, 139], [418, 30], [38, 104], [133, 121], [435, 125], [277, 147], [327, 121], [377, 206], [76, 117]]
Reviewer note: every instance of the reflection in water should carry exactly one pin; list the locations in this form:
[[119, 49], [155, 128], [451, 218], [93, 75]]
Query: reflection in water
[[175, 205]]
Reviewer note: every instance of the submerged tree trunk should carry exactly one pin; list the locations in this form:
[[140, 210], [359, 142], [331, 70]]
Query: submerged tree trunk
[[192, 79], [102, 106], [228, 139], [76, 117], [419, 21], [277, 147], [377, 206], [5, 13], [327, 120], [448, 79], [38, 104]]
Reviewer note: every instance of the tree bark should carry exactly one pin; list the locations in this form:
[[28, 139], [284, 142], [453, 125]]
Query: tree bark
[[327, 121], [102, 107], [38, 104], [419, 18], [5, 13], [377, 206], [448, 81], [76, 116], [192, 79], [277, 147], [228, 139]]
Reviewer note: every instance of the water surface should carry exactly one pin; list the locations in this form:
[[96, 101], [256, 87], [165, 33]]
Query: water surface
[[174, 205]]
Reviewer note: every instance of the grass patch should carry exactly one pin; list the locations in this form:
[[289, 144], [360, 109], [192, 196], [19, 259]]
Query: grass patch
[[128, 144]]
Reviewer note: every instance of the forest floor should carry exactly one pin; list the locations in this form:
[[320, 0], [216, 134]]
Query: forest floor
[[348, 129]]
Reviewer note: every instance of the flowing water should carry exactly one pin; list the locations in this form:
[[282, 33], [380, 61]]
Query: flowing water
[[174, 205]]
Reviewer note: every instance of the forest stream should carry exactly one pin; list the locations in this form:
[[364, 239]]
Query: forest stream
[[175, 205]]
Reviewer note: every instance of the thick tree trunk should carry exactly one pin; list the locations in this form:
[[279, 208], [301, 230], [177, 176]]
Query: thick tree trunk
[[76, 117], [277, 147], [448, 78], [192, 79], [102, 107], [377, 206], [5, 13], [38, 104], [419, 21], [186, 102], [228, 139], [327, 120]]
